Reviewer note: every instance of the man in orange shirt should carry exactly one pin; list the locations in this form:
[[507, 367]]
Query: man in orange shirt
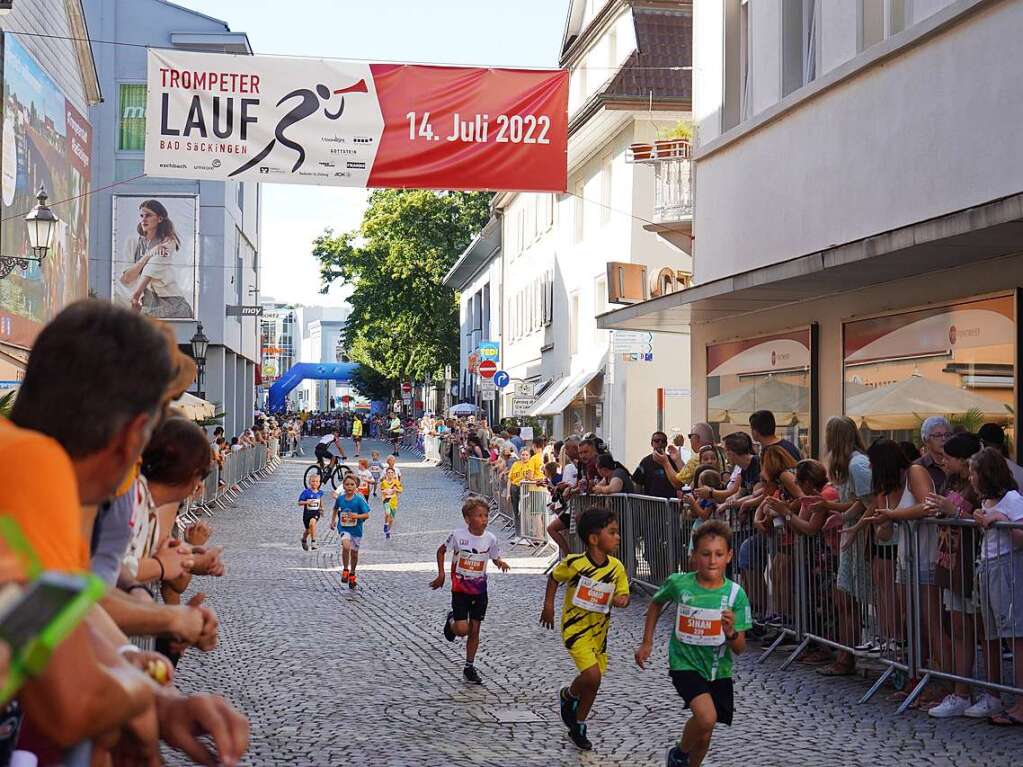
[[95, 387]]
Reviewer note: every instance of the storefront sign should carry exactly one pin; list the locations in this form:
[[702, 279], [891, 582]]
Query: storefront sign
[[490, 350], [344, 123], [768, 354]]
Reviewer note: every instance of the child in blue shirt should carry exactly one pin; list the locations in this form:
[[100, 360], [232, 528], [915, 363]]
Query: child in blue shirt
[[310, 501], [350, 511]]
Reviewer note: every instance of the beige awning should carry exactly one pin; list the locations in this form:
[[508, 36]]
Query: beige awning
[[904, 404], [193, 407], [563, 397], [789, 402]]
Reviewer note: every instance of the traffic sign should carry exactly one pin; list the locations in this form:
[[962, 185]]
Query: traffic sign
[[406, 388], [501, 379], [486, 385], [632, 342], [488, 368], [488, 395], [524, 389], [522, 405]]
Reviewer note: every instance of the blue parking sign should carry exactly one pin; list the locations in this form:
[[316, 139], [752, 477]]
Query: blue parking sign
[[501, 379]]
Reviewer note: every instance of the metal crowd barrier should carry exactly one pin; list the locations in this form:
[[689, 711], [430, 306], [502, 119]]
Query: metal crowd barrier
[[533, 514], [222, 486]]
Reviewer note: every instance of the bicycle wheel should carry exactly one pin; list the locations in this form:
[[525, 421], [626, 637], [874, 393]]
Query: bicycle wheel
[[314, 469], [340, 473]]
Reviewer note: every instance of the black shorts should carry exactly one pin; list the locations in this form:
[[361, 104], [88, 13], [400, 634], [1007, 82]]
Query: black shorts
[[468, 606], [309, 516], [690, 684], [565, 518], [322, 451]]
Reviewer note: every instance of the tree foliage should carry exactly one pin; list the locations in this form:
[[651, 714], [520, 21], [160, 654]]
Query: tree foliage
[[404, 323]]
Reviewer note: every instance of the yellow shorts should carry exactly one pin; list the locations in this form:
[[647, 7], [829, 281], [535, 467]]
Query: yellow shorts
[[586, 654]]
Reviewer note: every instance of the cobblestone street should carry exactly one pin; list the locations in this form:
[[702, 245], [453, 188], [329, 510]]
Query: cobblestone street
[[333, 677]]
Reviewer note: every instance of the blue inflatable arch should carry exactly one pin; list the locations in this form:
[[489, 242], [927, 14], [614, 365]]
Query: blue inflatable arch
[[342, 372]]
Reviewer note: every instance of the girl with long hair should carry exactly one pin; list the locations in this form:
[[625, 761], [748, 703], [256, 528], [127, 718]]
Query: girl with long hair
[[150, 283]]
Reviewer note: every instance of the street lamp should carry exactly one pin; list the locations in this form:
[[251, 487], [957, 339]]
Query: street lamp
[[199, 343], [41, 224]]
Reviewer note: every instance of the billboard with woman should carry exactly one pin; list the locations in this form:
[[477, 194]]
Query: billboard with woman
[[155, 256]]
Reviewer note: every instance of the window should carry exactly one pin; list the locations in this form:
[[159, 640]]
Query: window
[[954, 361], [523, 243], [871, 18], [549, 217], [799, 43], [745, 61], [605, 189], [573, 325], [767, 373], [580, 224], [600, 294], [132, 122], [529, 225], [612, 50], [550, 299]]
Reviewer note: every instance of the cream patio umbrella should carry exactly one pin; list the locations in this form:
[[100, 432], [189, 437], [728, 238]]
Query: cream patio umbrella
[[904, 404], [193, 407], [789, 402]]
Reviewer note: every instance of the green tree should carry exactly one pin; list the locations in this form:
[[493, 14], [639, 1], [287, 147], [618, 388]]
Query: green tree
[[404, 323]]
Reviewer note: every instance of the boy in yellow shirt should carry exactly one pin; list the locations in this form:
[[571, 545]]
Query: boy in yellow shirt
[[390, 489]]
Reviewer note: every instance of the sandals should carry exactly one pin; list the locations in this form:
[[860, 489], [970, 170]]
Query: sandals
[[1005, 719]]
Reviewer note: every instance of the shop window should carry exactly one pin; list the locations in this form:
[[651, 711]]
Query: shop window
[[767, 373], [954, 361], [132, 122]]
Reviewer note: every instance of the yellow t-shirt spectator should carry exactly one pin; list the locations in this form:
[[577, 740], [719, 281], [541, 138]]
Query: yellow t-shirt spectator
[[517, 472], [535, 467]]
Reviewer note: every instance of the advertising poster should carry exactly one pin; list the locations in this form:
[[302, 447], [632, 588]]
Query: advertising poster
[[46, 142], [315, 121], [155, 258]]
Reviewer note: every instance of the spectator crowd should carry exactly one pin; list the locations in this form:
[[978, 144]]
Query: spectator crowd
[[866, 536]]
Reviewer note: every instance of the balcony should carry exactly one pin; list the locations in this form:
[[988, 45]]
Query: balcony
[[673, 188]]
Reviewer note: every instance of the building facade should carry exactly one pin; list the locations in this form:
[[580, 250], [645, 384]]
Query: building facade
[[557, 248], [322, 333], [49, 84], [857, 215], [210, 257], [477, 278], [279, 342]]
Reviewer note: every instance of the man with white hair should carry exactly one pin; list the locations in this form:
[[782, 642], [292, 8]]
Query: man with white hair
[[934, 431]]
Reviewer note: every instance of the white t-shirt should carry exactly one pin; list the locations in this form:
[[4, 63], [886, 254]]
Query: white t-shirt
[[999, 541], [327, 440], [570, 474], [472, 552]]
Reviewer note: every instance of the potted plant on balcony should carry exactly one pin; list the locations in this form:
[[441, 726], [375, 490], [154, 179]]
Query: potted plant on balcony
[[641, 152], [674, 142]]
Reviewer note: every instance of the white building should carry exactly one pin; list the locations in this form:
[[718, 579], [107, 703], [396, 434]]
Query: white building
[[556, 248], [859, 208], [321, 330]]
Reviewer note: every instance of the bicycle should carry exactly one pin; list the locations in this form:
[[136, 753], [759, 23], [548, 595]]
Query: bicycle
[[334, 472]]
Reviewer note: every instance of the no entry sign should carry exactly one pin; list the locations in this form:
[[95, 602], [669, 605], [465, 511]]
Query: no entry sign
[[488, 368]]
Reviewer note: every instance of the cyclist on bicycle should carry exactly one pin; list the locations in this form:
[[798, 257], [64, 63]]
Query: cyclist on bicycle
[[323, 448]]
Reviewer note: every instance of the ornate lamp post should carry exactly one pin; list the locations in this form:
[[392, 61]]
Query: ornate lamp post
[[41, 225], [199, 343]]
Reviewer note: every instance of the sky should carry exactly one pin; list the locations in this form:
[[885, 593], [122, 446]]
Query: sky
[[469, 32]]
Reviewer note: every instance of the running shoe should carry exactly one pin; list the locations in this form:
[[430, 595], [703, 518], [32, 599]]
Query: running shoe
[[305, 546], [313, 545], [988, 705], [449, 634], [677, 757], [351, 581], [472, 675], [577, 732], [344, 575], [951, 706], [568, 706]]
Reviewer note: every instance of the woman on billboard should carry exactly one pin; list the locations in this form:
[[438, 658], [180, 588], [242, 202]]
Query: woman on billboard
[[151, 282]]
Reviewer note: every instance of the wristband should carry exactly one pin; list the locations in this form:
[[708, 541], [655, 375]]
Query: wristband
[[162, 571], [127, 648]]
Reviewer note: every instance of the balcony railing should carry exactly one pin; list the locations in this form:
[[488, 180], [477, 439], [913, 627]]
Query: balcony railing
[[673, 199]]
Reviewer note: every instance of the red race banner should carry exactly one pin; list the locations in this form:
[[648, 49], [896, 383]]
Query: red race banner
[[313, 121]]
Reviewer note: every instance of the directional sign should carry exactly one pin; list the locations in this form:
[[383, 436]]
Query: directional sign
[[501, 379], [632, 342], [488, 368], [522, 406], [244, 311], [524, 389]]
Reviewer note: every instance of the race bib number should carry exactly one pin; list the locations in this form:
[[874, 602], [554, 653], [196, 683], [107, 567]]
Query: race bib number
[[471, 565], [593, 596], [699, 626], [313, 504], [348, 519]]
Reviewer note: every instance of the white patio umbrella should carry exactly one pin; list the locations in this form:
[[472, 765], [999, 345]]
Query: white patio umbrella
[[789, 402], [193, 407], [463, 408], [904, 404]]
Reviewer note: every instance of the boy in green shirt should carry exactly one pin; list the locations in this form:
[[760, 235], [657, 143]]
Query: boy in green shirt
[[711, 615]]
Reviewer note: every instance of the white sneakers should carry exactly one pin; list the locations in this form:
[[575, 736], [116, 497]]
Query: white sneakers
[[988, 705], [951, 706]]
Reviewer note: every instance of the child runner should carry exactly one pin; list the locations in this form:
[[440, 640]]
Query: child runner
[[711, 615], [365, 478], [596, 581], [310, 500], [392, 463], [471, 547], [390, 489], [376, 468], [350, 511]]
